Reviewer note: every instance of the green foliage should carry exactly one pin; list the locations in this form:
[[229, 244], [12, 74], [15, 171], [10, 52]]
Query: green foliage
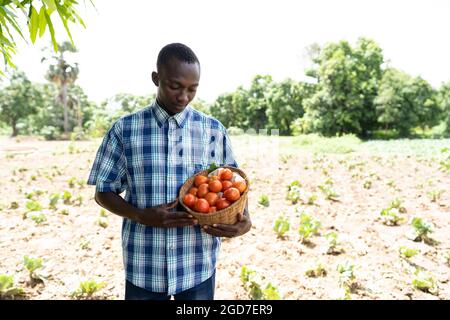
[[32, 264], [18, 100], [264, 200], [7, 288], [407, 253], [38, 14], [251, 282], [404, 102], [348, 80], [308, 227], [346, 275], [281, 225], [391, 215], [422, 229], [423, 281], [317, 271], [87, 289], [332, 240]]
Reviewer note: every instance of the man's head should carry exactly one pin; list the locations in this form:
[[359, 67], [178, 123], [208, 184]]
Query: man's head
[[177, 77]]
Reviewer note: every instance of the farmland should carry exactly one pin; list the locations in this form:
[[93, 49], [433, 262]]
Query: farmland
[[357, 200]]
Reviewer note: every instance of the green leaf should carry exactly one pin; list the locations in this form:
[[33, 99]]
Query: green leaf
[[34, 24], [51, 6], [52, 31], [42, 21]]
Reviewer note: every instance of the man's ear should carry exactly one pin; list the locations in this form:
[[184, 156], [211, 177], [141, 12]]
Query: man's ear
[[155, 78]]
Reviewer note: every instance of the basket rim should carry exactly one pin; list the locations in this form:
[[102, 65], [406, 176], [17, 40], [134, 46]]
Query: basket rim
[[224, 211]]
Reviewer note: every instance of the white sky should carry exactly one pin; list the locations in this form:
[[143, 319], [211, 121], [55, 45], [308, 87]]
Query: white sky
[[237, 39]]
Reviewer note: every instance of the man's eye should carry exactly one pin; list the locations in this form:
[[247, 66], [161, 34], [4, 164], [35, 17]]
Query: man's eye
[[174, 87]]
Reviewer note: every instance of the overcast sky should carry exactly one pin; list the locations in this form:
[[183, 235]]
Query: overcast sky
[[237, 39]]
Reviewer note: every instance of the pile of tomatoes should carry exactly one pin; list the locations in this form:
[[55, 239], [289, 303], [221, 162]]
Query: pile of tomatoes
[[214, 193]]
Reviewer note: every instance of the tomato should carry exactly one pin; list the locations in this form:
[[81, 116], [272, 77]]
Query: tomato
[[212, 178], [201, 206], [215, 186], [189, 200], [226, 174], [222, 203], [198, 180], [212, 209], [232, 194], [211, 197], [193, 191], [226, 185], [203, 189], [240, 185]]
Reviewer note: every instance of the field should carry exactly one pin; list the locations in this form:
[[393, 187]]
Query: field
[[357, 201]]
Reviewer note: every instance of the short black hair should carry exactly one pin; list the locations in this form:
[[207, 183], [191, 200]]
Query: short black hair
[[175, 50]]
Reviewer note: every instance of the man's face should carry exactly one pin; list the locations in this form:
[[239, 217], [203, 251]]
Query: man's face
[[177, 84]]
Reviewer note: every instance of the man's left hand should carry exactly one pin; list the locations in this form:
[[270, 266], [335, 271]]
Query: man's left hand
[[241, 227]]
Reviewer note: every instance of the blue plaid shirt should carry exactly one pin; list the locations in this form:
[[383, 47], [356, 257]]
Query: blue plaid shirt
[[149, 155]]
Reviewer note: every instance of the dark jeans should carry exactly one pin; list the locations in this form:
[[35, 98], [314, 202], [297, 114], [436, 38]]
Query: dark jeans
[[203, 291]]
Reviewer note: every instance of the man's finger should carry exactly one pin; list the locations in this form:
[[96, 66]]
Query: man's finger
[[218, 232], [180, 215]]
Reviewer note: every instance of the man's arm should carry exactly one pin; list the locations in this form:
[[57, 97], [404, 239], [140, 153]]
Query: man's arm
[[158, 216]]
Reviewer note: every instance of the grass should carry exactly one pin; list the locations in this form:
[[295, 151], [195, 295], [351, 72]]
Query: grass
[[313, 143]]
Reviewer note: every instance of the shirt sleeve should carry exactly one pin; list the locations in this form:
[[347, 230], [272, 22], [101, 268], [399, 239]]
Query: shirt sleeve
[[108, 172], [228, 154]]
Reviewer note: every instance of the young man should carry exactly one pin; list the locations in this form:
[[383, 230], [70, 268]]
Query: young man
[[150, 154]]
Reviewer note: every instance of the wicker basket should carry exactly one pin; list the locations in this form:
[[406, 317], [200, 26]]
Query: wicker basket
[[228, 215]]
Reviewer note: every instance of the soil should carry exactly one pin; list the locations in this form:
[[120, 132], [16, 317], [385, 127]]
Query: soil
[[75, 247]]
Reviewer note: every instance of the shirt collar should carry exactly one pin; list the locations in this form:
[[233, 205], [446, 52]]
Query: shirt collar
[[162, 116]]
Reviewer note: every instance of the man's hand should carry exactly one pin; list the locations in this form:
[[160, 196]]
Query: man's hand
[[160, 216], [241, 227]]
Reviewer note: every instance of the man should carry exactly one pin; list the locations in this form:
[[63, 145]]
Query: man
[[150, 154]]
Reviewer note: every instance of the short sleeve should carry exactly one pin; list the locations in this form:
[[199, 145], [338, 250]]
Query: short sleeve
[[228, 154], [108, 172]]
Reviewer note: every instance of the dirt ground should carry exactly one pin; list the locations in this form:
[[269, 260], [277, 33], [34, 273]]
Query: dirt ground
[[74, 247]]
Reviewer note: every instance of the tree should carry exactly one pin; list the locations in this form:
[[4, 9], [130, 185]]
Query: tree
[[231, 108], [18, 100], [38, 15], [63, 74], [285, 101], [258, 103], [443, 98], [404, 102], [347, 83]]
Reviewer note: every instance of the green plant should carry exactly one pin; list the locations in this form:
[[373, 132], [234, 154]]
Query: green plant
[[39, 218], [102, 222], [7, 288], [87, 289], [251, 282], [54, 198], [367, 184], [308, 227], [67, 196], [347, 276], [391, 217], [447, 258], [424, 281], [333, 243], [317, 271], [33, 205], [294, 194], [422, 229], [407, 253], [435, 195], [33, 264], [281, 226], [264, 200], [329, 192]]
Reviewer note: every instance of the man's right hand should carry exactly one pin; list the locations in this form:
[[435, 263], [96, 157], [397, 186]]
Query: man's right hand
[[160, 216]]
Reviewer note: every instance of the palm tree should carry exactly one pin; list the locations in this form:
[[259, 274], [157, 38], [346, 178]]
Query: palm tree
[[63, 74]]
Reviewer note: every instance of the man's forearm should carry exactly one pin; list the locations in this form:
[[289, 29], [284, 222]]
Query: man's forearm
[[117, 205]]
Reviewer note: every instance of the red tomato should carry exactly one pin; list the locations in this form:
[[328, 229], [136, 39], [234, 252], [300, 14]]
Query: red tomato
[[193, 191], [201, 206], [212, 198], [226, 185], [189, 200], [226, 174], [198, 180], [240, 185], [232, 194], [212, 209], [215, 186], [203, 189], [222, 203]]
